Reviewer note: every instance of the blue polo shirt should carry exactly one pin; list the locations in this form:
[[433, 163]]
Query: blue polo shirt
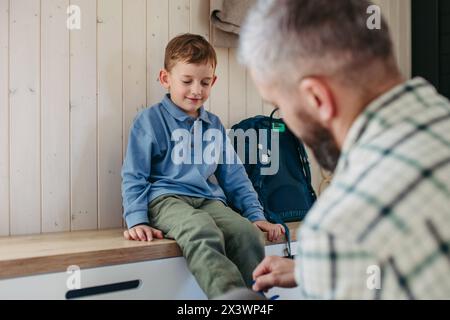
[[149, 169]]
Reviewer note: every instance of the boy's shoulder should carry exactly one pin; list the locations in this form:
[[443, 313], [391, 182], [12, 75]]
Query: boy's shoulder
[[148, 112], [149, 117]]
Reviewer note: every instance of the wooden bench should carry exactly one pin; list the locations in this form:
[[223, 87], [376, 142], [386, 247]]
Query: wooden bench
[[46, 253]]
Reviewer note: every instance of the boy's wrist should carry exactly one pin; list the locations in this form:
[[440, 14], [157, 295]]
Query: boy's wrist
[[136, 218], [140, 224], [256, 216]]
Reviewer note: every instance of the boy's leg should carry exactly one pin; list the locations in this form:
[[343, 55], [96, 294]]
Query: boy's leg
[[201, 242], [244, 242]]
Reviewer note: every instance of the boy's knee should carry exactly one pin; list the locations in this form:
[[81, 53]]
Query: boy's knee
[[199, 234], [200, 226]]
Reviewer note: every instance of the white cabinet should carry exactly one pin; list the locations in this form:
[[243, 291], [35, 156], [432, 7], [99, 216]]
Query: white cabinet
[[155, 279]]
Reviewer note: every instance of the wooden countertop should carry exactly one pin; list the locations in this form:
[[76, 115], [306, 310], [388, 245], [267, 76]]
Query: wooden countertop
[[54, 252]]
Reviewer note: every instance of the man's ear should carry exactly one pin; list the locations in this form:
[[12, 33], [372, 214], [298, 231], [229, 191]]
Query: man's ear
[[164, 78], [319, 98]]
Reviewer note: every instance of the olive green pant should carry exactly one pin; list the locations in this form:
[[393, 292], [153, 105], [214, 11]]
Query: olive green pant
[[221, 247]]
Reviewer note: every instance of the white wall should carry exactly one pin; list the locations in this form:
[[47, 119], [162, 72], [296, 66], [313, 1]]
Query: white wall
[[67, 99]]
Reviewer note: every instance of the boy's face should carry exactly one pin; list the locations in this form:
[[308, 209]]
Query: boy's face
[[189, 85]]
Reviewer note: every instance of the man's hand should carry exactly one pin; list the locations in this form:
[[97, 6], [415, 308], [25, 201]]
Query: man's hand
[[142, 233], [274, 231], [274, 272]]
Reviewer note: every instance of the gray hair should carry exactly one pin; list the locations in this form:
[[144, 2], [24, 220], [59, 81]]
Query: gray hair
[[312, 37]]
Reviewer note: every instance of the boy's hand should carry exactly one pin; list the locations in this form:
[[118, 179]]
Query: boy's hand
[[274, 231], [142, 233]]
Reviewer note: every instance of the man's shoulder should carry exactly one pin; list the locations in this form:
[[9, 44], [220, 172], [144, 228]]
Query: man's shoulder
[[384, 188], [404, 144]]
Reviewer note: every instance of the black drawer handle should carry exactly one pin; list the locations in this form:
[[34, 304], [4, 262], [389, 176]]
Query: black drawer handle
[[108, 288]]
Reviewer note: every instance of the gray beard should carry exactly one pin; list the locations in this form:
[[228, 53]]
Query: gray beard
[[321, 142], [323, 146], [327, 153]]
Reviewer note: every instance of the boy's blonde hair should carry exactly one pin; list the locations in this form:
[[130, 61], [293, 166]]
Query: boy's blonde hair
[[189, 48]]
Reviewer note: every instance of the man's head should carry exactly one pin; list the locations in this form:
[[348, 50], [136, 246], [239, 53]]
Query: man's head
[[189, 71], [320, 64]]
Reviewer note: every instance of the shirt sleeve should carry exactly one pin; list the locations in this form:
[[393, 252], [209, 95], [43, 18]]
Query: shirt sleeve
[[135, 175], [328, 267], [236, 185]]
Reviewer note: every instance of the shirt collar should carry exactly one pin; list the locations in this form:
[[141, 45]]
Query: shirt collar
[[179, 114]]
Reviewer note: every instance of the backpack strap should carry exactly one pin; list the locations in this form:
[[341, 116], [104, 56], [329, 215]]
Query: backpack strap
[[277, 219], [301, 150], [272, 114], [304, 160], [306, 167]]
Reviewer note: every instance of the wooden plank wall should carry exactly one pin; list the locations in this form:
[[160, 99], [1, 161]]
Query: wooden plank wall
[[4, 118], [68, 97], [398, 15]]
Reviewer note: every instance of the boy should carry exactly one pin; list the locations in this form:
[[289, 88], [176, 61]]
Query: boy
[[188, 201]]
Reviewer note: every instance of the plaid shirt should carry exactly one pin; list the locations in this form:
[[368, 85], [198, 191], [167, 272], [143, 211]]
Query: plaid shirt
[[382, 228]]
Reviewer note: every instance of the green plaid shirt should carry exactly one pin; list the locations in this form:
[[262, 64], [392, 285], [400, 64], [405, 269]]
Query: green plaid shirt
[[382, 228]]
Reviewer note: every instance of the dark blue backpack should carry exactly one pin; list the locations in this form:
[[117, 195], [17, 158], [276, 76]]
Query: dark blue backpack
[[286, 195]]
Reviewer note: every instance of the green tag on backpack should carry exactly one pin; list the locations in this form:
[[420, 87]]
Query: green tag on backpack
[[279, 127]]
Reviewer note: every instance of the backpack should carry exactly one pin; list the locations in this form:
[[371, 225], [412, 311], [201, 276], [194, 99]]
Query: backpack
[[286, 194]]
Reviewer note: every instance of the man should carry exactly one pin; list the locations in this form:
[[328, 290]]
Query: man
[[382, 228]]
